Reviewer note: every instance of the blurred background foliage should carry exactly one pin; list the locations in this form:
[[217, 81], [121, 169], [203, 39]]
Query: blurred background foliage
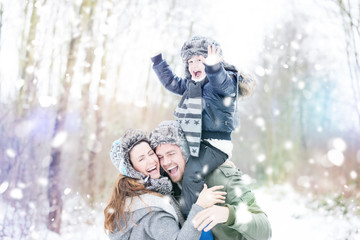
[[75, 74]]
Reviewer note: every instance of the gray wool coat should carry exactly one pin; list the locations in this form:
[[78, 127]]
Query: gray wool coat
[[159, 223]]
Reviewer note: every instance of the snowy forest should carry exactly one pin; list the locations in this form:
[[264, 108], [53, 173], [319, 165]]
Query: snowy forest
[[75, 74]]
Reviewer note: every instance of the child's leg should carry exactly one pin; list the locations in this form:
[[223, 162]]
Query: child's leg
[[195, 172], [211, 159]]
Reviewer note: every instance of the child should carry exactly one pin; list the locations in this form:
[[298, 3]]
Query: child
[[206, 110]]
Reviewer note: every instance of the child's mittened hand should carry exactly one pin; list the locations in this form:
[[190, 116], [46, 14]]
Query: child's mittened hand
[[213, 57]]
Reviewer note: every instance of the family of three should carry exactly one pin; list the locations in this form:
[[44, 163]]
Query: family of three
[[179, 183]]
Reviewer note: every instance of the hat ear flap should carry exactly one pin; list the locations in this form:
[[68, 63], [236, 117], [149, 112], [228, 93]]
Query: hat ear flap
[[187, 73]]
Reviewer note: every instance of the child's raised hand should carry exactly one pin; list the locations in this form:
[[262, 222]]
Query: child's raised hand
[[213, 57]]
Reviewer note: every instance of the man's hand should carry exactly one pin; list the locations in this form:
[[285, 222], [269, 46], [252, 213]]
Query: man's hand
[[210, 217], [210, 196], [213, 56]]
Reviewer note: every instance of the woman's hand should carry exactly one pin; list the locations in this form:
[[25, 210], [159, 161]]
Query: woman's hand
[[210, 196], [213, 56], [208, 218]]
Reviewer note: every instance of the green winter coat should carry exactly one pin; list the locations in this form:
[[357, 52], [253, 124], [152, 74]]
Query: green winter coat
[[238, 198]]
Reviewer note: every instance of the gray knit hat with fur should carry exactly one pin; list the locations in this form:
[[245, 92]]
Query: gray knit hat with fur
[[197, 45], [121, 148], [119, 155], [170, 132]]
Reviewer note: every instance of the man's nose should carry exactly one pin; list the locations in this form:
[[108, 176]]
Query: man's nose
[[165, 161]]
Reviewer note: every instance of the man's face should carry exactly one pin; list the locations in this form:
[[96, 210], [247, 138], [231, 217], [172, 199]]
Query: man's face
[[171, 160]]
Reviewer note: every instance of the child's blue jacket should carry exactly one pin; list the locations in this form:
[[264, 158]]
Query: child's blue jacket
[[219, 96]]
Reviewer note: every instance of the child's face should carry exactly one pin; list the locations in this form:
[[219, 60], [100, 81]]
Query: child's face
[[196, 68]]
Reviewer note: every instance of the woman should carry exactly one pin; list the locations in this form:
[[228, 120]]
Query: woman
[[141, 206]]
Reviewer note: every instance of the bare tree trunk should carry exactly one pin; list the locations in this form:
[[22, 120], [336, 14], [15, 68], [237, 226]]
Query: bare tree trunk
[[54, 192], [352, 36], [1, 13], [88, 111], [99, 118], [28, 90]]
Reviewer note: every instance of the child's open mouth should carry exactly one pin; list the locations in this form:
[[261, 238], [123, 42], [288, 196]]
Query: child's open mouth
[[197, 74]]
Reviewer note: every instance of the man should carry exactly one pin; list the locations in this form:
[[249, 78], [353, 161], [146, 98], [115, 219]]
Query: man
[[240, 217]]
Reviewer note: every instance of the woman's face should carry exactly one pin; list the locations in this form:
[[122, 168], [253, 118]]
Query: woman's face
[[144, 160]]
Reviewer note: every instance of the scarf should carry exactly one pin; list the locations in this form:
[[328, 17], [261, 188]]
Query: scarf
[[189, 113], [162, 185]]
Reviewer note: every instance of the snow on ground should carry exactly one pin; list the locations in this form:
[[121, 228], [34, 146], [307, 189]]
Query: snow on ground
[[287, 211], [292, 219]]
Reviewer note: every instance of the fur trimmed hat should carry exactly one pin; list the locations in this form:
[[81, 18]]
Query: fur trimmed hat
[[119, 155], [170, 132], [120, 149], [197, 45]]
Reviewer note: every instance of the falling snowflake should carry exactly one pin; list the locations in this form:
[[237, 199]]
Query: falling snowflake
[[243, 215], [205, 169], [3, 187], [353, 175], [304, 181], [11, 153], [246, 179], [260, 71], [339, 144], [47, 101], [260, 122], [288, 145], [59, 139], [111, 210], [335, 157], [16, 193], [227, 101], [43, 181], [238, 192], [301, 85], [46, 161], [261, 158], [67, 191], [269, 171]]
